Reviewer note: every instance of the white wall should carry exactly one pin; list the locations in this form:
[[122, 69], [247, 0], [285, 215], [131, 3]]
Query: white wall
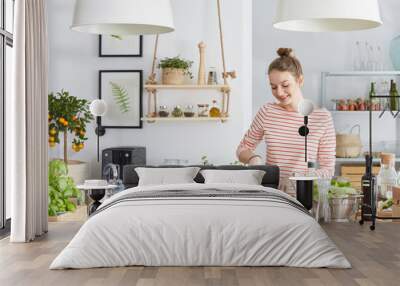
[[322, 52], [74, 66]]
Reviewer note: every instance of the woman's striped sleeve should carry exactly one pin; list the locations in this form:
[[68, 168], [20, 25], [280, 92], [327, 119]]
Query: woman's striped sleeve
[[254, 135], [327, 150]]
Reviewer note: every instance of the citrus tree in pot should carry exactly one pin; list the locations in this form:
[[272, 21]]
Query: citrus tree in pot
[[69, 114], [174, 70]]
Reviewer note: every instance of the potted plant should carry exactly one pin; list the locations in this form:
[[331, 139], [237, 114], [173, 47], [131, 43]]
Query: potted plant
[[174, 70], [61, 189], [68, 114]]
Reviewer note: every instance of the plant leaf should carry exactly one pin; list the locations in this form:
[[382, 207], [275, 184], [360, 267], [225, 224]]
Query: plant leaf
[[116, 37], [120, 96]]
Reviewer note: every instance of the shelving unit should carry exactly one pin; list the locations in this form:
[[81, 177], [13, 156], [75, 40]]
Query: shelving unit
[[174, 119], [152, 90], [220, 87], [152, 87], [326, 75], [372, 204], [358, 160]]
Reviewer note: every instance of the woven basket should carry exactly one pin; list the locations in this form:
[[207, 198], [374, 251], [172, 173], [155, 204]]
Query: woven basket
[[349, 145], [173, 76]]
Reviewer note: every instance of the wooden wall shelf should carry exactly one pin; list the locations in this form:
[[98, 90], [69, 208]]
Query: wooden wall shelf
[[186, 86], [174, 119]]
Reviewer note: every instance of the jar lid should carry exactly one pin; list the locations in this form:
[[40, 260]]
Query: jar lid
[[387, 158]]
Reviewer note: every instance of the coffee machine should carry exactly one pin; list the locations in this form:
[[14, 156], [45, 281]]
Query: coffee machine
[[121, 156]]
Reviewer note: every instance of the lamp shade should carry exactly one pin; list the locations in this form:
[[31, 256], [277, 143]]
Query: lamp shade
[[327, 15], [123, 17], [305, 107], [98, 107]]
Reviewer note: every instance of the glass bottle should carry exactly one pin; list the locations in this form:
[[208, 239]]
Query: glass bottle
[[357, 57], [368, 186], [212, 76], [394, 100], [214, 110], [387, 176], [372, 93]]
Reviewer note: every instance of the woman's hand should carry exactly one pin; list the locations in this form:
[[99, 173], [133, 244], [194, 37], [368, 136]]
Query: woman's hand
[[255, 160]]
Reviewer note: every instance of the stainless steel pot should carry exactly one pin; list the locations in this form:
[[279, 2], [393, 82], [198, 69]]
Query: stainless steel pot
[[342, 208]]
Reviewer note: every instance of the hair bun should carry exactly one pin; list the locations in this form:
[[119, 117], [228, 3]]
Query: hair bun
[[285, 52]]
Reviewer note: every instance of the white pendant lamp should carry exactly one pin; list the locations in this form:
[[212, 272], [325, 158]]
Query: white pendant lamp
[[327, 15], [123, 17]]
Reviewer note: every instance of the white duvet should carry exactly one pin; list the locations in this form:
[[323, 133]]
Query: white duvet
[[200, 231]]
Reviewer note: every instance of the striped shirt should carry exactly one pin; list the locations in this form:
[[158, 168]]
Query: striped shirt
[[285, 147]]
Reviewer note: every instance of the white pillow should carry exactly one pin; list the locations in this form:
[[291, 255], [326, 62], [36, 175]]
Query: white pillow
[[166, 176], [248, 177]]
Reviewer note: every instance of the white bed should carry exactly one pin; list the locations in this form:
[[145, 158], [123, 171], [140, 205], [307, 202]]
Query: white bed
[[185, 230]]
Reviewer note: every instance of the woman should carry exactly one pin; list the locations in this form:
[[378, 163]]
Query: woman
[[278, 124]]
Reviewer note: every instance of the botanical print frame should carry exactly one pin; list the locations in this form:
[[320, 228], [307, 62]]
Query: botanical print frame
[[122, 91], [120, 46]]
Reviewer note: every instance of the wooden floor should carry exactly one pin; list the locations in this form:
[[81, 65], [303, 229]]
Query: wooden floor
[[375, 257]]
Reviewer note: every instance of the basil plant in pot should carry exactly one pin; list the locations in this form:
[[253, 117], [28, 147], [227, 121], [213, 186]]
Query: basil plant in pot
[[175, 70], [69, 115], [62, 189]]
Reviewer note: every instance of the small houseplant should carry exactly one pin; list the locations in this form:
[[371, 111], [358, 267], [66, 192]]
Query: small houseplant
[[174, 70], [61, 189], [68, 114]]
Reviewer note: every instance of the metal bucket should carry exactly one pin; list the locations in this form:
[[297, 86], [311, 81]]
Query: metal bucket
[[342, 208]]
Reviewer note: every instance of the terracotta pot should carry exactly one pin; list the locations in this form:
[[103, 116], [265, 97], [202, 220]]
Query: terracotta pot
[[173, 76]]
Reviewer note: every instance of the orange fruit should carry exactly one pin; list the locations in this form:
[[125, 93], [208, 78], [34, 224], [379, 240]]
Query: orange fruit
[[81, 145], [82, 133], [65, 123], [74, 118], [52, 139], [75, 147], [52, 144], [53, 131]]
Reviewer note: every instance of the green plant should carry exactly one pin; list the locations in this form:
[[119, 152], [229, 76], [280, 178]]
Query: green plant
[[67, 113], [236, 163], [117, 37], [121, 97], [177, 63], [61, 188], [204, 160]]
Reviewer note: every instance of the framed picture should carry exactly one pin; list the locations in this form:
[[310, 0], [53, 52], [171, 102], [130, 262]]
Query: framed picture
[[120, 46], [122, 91]]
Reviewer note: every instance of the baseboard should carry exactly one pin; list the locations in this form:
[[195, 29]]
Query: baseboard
[[5, 231]]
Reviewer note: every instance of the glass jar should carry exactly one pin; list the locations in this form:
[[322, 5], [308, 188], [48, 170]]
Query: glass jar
[[188, 111], [177, 111], [387, 176], [202, 110], [212, 76], [163, 111], [214, 110]]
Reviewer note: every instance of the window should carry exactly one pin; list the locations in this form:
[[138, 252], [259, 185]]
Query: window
[[6, 44]]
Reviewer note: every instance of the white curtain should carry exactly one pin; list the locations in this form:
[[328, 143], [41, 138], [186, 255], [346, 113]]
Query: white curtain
[[26, 133]]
